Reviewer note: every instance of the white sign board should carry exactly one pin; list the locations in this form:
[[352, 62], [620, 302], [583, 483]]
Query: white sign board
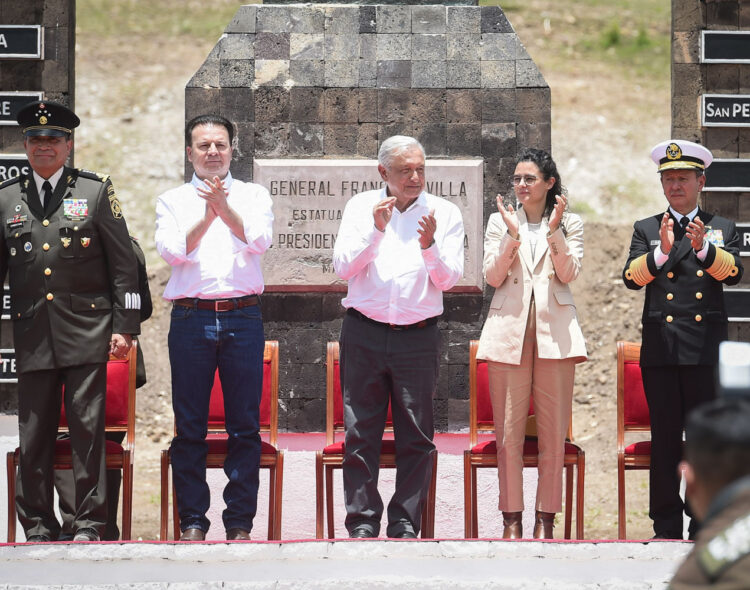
[[309, 197]]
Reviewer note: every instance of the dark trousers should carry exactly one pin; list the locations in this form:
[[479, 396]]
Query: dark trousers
[[671, 392], [380, 365], [65, 486], [39, 400], [200, 341]]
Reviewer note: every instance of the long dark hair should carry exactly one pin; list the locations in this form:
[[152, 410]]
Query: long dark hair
[[548, 168]]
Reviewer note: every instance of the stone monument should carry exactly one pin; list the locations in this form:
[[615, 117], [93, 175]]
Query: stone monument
[[314, 89]]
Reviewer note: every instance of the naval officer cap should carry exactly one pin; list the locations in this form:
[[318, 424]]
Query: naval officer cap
[[678, 154], [46, 118]]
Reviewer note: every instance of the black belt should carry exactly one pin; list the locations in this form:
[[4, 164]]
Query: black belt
[[218, 304], [423, 324]]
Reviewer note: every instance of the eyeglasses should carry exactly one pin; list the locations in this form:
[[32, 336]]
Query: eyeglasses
[[527, 180]]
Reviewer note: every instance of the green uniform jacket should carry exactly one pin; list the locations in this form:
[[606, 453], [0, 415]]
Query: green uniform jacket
[[721, 556], [72, 271]]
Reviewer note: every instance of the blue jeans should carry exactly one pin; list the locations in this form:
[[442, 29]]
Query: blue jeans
[[200, 341]]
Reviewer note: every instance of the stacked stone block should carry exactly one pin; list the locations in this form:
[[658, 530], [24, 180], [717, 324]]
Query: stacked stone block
[[55, 75], [334, 81], [691, 79]]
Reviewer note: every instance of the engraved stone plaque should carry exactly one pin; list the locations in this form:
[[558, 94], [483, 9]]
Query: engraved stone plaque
[[309, 197]]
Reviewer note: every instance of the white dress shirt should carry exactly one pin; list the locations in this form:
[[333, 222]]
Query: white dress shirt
[[222, 265], [39, 181], [391, 278]]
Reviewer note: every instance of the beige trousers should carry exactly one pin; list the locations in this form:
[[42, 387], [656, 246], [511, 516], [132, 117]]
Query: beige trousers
[[550, 383]]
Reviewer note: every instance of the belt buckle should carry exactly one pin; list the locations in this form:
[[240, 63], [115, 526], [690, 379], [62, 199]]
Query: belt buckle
[[219, 305]]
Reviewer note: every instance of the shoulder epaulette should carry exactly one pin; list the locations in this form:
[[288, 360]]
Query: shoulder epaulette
[[93, 175], [726, 548], [10, 181]]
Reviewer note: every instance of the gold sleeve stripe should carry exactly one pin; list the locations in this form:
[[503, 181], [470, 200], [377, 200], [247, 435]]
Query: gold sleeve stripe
[[723, 265], [638, 271]]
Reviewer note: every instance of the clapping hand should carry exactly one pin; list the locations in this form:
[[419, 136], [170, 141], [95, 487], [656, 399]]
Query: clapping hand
[[509, 217], [696, 231], [215, 195], [426, 231], [557, 212], [666, 233], [382, 212]]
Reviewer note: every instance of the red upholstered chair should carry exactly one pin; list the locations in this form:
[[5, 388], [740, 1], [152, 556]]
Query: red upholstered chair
[[332, 456], [271, 458], [119, 417], [632, 416], [484, 454]]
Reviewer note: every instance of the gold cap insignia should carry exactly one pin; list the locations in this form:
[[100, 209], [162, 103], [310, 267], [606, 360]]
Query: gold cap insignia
[[674, 152]]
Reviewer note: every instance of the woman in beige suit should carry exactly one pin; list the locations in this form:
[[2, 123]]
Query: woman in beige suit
[[531, 338]]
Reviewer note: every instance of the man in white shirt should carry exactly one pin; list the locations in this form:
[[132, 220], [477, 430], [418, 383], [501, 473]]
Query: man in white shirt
[[212, 231], [400, 248]]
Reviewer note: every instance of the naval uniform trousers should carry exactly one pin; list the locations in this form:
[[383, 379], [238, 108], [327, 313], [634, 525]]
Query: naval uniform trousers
[[200, 341], [380, 364], [39, 400], [672, 392]]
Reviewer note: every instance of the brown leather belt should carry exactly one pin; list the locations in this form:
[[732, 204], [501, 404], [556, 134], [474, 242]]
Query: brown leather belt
[[423, 324], [218, 304]]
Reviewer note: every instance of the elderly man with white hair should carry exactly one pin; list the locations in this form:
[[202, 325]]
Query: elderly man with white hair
[[399, 248]]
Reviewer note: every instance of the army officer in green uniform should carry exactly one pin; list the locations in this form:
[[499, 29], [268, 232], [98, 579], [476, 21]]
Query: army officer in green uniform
[[74, 300]]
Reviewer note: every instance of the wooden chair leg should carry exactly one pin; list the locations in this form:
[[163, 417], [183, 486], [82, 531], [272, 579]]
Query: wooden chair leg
[[580, 479], [474, 518], [271, 500], [319, 495], [127, 495], [568, 499], [467, 494], [428, 515], [621, 515], [10, 460], [329, 500], [175, 513], [278, 493], [164, 489]]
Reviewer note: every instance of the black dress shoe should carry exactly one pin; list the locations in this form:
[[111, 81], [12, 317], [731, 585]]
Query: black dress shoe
[[193, 535], [238, 535], [361, 532], [405, 535], [87, 535], [38, 539]]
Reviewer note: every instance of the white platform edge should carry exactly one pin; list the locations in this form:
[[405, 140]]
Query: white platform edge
[[453, 564]]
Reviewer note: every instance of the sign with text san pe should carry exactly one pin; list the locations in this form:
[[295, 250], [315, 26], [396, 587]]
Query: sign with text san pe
[[725, 110], [21, 42]]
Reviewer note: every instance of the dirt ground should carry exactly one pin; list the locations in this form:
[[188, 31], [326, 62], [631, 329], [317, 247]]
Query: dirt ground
[[130, 96]]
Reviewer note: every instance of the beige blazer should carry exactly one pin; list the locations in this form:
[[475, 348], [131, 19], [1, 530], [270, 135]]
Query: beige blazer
[[509, 267]]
